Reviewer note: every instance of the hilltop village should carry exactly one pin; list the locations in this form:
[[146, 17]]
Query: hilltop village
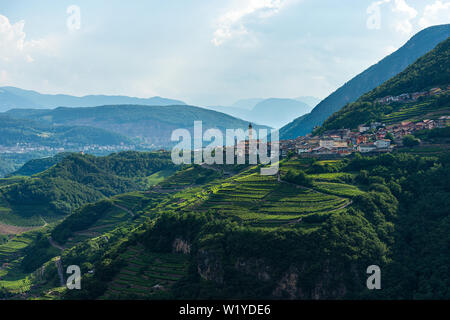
[[375, 137]]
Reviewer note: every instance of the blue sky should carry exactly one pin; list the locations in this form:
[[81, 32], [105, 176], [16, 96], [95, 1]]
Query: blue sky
[[205, 52]]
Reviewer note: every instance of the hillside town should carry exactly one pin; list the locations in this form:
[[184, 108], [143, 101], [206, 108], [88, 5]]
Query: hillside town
[[23, 148], [411, 97], [375, 138]]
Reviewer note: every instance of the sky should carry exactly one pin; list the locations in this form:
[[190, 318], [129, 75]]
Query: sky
[[204, 52]]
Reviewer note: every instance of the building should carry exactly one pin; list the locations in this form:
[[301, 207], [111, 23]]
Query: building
[[443, 122], [383, 143], [321, 150], [417, 95], [434, 91], [363, 128], [304, 149], [327, 143], [375, 125], [362, 139], [364, 148]]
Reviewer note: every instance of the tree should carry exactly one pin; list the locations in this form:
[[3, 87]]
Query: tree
[[410, 141], [389, 136]]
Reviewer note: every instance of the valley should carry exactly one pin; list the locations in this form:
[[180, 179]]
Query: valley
[[91, 183]]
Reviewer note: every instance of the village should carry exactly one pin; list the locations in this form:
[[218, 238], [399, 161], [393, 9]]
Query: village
[[373, 138], [411, 97], [23, 148]]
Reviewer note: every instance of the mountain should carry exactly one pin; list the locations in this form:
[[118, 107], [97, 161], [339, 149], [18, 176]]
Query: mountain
[[274, 112], [11, 98], [430, 71], [240, 113], [36, 166], [20, 131], [201, 234], [277, 112], [247, 103], [417, 46], [309, 100], [74, 181], [152, 125]]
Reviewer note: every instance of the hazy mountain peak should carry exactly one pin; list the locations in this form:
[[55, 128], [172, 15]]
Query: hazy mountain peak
[[13, 98]]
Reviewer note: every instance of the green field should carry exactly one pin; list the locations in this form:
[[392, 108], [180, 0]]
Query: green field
[[146, 274]]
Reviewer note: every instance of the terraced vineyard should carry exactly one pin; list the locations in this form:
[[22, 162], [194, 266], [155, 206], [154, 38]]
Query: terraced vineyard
[[146, 274], [10, 277], [338, 189], [262, 200], [415, 112]]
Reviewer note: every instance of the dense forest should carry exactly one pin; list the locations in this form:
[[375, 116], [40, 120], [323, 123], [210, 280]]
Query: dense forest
[[79, 179]]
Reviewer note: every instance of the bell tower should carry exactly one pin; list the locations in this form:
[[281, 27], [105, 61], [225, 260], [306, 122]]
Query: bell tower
[[250, 132]]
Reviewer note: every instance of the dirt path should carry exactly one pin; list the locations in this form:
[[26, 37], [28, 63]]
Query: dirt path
[[123, 208], [55, 245]]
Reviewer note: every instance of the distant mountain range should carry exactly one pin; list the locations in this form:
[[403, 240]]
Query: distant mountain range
[[377, 74], [42, 133], [277, 112], [13, 98], [274, 112], [152, 125]]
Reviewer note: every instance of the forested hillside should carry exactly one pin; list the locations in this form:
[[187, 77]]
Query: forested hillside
[[417, 46], [431, 70], [23, 131], [35, 166], [203, 233], [152, 125], [74, 181]]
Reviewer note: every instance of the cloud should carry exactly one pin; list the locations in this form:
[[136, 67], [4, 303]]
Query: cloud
[[231, 24], [436, 13], [406, 14], [3, 76], [13, 43]]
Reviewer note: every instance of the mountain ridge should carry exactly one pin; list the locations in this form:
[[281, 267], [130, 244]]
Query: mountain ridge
[[429, 71], [13, 97], [417, 46]]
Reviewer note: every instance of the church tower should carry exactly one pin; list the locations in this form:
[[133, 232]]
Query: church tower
[[250, 132]]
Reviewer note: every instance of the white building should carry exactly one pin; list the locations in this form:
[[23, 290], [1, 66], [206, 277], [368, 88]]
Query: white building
[[328, 143], [383, 143], [301, 150], [363, 148], [363, 128]]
